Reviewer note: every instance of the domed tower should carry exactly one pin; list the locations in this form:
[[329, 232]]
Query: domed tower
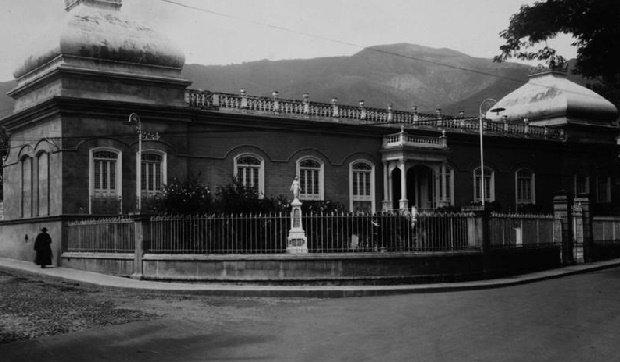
[[71, 149], [98, 53], [550, 99]]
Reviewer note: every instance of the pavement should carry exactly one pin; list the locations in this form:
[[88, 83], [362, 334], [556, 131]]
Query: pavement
[[322, 291]]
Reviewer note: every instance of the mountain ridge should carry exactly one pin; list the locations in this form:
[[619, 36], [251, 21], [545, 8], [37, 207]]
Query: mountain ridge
[[418, 75]]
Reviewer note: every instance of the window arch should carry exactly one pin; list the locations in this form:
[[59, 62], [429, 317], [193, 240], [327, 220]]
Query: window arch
[[489, 184], [26, 187], [43, 184], [310, 171], [525, 187], [152, 174], [249, 169], [361, 186], [105, 184]]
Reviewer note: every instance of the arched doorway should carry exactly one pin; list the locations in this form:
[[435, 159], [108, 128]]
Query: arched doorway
[[420, 187], [395, 188]]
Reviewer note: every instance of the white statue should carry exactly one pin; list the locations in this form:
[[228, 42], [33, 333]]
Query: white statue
[[295, 188]]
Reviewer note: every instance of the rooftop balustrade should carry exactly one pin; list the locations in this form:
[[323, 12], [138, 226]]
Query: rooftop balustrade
[[276, 106]]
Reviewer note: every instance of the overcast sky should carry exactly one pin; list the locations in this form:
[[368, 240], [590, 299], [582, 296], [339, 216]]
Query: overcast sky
[[470, 26]]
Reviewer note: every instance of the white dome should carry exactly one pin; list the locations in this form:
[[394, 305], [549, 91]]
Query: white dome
[[550, 95], [91, 30]]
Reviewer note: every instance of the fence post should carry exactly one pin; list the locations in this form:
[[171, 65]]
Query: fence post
[[140, 225], [562, 210], [486, 230], [586, 225]]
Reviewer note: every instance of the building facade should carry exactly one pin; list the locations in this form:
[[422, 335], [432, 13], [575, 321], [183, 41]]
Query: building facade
[[73, 153]]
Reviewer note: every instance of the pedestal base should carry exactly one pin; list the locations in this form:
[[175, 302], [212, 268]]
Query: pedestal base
[[297, 243], [404, 204]]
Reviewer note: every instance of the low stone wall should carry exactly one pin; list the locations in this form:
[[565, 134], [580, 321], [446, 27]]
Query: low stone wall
[[349, 268], [105, 263], [17, 238]]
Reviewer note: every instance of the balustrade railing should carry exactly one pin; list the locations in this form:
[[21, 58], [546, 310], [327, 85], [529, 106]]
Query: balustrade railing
[[365, 115]]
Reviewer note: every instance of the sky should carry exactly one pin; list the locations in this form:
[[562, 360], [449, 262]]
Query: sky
[[469, 26]]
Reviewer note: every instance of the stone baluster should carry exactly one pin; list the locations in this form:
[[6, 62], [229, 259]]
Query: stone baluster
[[276, 101], [306, 103], [362, 110], [526, 128], [335, 109], [244, 99]]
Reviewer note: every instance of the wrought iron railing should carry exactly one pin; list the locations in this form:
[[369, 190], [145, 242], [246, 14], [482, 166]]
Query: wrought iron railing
[[606, 229], [110, 235], [523, 230]]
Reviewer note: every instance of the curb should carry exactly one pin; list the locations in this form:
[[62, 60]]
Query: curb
[[236, 290]]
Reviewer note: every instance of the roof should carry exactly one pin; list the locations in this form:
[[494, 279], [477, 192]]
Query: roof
[[550, 95], [91, 30]]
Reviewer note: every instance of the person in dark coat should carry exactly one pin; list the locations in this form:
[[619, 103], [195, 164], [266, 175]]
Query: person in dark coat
[[42, 246]]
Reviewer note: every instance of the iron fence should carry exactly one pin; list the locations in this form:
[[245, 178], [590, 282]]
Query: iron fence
[[522, 230], [606, 230], [326, 233], [109, 235], [218, 234]]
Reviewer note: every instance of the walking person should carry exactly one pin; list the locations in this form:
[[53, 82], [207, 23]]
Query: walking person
[[42, 246]]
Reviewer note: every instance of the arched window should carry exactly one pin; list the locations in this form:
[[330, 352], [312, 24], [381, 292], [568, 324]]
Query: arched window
[[310, 173], [43, 184], [26, 187], [362, 186], [582, 184], [489, 184], [152, 173], [250, 171], [525, 181], [105, 181]]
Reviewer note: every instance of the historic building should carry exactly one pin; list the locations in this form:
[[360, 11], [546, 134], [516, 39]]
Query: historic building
[[73, 152]]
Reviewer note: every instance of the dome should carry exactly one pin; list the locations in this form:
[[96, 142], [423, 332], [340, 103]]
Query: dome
[[97, 29], [550, 95]]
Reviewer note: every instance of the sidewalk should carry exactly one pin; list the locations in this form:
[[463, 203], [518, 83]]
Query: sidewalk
[[335, 291]]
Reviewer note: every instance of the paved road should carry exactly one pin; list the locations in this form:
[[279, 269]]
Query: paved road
[[575, 318]]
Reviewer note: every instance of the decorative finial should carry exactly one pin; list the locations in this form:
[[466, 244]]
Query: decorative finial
[[275, 94]]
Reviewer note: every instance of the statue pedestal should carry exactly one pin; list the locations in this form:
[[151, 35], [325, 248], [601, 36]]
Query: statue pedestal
[[297, 243]]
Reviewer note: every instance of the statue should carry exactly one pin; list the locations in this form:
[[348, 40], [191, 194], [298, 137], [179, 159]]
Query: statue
[[295, 188]]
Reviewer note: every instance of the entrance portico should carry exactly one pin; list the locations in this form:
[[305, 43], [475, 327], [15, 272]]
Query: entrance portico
[[415, 172]]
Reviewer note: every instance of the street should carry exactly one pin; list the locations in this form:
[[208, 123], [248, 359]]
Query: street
[[574, 318]]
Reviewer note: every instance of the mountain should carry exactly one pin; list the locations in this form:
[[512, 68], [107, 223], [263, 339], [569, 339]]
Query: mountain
[[434, 78], [402, 74]]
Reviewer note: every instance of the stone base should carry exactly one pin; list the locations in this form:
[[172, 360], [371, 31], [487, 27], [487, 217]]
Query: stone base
[[387, 205], [297, 243], [403, 204]]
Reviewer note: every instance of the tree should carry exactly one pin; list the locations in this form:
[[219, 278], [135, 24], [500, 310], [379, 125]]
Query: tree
[[593, 23]]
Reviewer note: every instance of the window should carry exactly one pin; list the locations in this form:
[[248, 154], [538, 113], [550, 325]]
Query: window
[[105, 182], [152, 173], [582, 185], [43, 184], [310, 173], [446, 174], [603, 189], [362, 186], [525, 187], [26, 187], [489, 185], [249, 170]]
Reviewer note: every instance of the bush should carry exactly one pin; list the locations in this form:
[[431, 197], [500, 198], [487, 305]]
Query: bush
[[183, 198]]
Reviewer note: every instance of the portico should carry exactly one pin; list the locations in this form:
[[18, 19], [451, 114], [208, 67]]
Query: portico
[[416, 172]]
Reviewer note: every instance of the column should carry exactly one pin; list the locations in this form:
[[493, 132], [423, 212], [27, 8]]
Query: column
[[444, 185], [562, 211], [386, 186], [404, 204], [437, 188]]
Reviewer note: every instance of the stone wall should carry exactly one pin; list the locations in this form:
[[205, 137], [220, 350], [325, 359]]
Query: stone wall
[[17, 238]]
